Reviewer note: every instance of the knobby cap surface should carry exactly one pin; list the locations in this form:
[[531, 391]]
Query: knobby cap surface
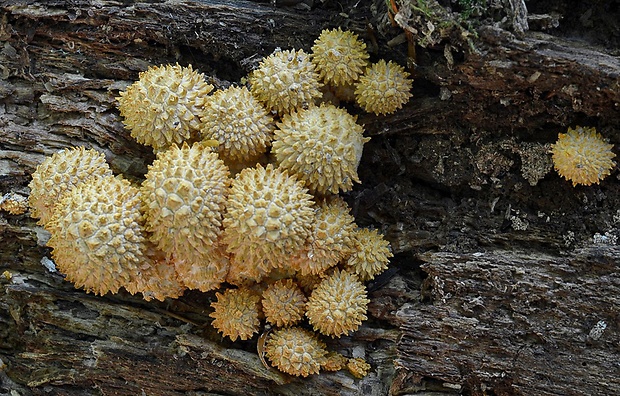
[[163, 107], [239, 122], [330, 240], [371, 254], [285, 80], [582, 156], [338, 305], [97, 234], [184, 196], [268, 219], [322, 146], [384, 88], [339, 56], [295, 351], [60, 173], [236, 313], [284, 303]]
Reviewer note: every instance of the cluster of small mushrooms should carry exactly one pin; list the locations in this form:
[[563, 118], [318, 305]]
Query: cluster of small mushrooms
[[242, 198]]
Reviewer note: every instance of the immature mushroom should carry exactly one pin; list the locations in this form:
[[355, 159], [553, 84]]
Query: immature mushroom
[[14, 204], [184, 195], [330, 240], [371, 254], [60, 173], [358, 367], [239, 122], [339, 56], [285, 80], [322, 146], [163, 107], [97, 234], [268, 219], [582, 156], [384, 88], [283, 303], [236, 313], [295, 351], [338, 305]]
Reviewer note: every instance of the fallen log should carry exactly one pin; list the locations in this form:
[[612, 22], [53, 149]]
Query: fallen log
[[505, 277]]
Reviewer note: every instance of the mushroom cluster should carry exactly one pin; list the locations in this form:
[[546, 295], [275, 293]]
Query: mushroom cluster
[[242, 198]]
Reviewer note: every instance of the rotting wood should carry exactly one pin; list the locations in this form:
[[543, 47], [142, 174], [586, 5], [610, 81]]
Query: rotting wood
[[444, 178], [524, 324]]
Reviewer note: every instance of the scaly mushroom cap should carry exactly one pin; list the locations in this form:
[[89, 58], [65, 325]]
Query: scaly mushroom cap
[[334, 361], [295, 351], [236, 313], [184, 196], [322, 146], [384, 88], [285, 80], [97, 234], [13, 203], [582, 156], [239, 122], [358, 367], [339, 57], [164, 106], [371, 254], [284, 303], [330, 241], [268, 219], [338, 305], [60, 173]]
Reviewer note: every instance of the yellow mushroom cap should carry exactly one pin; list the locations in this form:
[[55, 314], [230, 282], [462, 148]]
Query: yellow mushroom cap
[[184, 196], [358, 367], [322, 146], [330, 241], [582, 156], [340, 57], [295, 351], [334, 361], [284, 303], [13, 203], [338, 305], [97, 234], [285, 80], [60, 173], [236, 313], [239, 122], [371, 254], [384, 88], [268, 218], [164, 105]]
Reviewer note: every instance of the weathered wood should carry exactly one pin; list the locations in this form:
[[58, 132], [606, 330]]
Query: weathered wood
[[514, 321], [463, 168]]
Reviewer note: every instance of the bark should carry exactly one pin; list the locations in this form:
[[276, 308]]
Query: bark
[[505, 278]]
